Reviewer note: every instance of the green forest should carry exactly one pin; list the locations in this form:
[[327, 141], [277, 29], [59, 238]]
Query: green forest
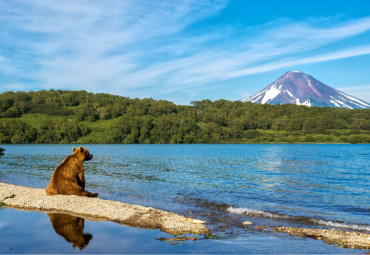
[[58, 116]]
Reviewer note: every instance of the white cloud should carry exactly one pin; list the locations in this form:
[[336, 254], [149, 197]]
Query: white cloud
[[346, 53], [87, 43]]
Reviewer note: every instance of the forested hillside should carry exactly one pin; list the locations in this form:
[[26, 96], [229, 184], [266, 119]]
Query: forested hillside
[[82, 117]]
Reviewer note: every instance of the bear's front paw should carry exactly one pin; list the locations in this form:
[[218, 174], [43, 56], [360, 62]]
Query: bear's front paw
[[95, 195]]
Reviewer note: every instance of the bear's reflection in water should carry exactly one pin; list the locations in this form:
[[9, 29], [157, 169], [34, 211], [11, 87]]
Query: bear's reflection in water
[[71, 228]]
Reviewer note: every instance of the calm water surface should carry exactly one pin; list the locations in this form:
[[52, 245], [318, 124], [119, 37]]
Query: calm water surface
[[294, 185]]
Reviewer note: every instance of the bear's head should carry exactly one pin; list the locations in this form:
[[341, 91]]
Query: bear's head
[[82, 153]]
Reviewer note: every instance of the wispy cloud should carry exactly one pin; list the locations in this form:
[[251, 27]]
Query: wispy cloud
[[92, 44], [152, 48], [340, 54]]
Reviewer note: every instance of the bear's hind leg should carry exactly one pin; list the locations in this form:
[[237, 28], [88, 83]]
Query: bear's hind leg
[[50, 190]]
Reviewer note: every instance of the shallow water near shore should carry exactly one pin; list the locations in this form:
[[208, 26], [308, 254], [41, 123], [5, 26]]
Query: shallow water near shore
[[291, 185], [33, 232]]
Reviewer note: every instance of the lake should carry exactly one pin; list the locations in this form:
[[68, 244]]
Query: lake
[[314, 185]]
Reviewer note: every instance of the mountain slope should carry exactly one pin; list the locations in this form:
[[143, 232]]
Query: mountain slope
[[296, 87]]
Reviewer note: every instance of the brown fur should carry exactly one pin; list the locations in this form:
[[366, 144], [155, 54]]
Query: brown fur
[[68, 178], [71, 228]]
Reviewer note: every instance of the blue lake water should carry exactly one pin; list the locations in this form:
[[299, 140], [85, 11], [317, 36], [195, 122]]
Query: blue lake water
[[273, 185]]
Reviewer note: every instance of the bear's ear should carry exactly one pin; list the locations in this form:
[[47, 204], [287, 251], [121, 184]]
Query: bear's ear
[[82, 149], [74, 149]]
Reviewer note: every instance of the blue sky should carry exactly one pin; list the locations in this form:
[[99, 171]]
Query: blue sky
[[182, 50]]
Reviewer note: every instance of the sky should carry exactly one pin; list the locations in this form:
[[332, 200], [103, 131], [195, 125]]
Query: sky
[[182, 51]]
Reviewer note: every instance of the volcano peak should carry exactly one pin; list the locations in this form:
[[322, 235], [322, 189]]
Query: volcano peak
[[296, 87]]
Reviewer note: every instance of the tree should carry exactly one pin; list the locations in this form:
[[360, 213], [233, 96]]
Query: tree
[[86, 112], [12, 112]]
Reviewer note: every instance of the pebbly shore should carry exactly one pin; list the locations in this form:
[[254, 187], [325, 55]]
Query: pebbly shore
[[341, 238], [99, 209]]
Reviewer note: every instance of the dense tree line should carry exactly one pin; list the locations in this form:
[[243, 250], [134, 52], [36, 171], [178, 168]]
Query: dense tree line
[[57, 116]]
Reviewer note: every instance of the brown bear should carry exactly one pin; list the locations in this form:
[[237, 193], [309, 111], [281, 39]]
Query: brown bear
[[68, 178], [71, 228]]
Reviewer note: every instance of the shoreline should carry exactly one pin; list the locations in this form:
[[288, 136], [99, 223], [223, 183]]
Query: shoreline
[[34, 199]]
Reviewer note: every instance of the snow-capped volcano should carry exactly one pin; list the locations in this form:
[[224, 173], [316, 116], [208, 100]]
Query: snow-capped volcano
[[298, 88]]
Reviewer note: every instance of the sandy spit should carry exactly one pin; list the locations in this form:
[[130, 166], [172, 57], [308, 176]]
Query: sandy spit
[[345, 239], [100, 209]]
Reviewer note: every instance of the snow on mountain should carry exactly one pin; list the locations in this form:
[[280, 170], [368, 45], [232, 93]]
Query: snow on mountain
[[298, 88]]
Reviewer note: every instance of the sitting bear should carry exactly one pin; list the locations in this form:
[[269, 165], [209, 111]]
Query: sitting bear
[[68, 178]]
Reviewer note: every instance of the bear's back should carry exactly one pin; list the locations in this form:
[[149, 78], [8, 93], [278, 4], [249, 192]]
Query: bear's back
[[71, 164]]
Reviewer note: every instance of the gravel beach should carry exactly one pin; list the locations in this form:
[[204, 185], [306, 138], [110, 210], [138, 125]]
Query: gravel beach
[[345, 239], [99, 209]]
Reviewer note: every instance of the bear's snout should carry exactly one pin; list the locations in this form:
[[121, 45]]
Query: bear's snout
[[90, 156]]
